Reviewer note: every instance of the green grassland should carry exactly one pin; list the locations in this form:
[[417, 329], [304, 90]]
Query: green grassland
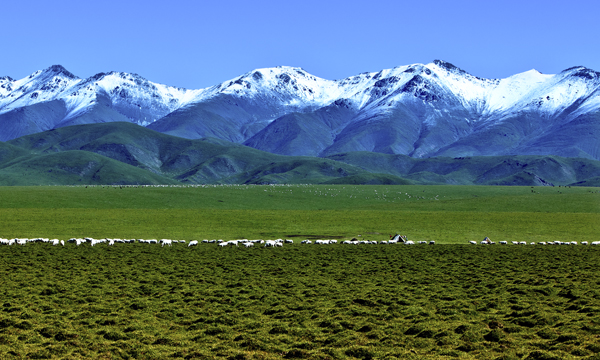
[[447, 214], [139, 301]]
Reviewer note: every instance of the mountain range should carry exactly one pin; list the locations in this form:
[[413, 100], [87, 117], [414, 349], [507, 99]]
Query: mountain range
[[419, 110], [414, 124]]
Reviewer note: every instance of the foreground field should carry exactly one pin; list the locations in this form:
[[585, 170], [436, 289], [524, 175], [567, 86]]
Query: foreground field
[[320, 302], [446, 214]]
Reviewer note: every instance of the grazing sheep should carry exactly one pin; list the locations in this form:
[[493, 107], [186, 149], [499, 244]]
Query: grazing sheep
[[584, 243], [515, 242], [193, 243], [503, 243], [248, 244], [62, 242], [472, 242], [409, 242], [432, 242], [289, 241], [223, 244], [166, 242]]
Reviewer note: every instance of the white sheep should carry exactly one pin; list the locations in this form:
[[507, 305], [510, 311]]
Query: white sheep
[[472, 242], [166, 242], [503, 242], [248, 244], [193, 243]]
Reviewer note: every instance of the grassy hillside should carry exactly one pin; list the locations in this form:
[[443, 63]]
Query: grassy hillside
[[158, 156], [183, 160], [75, 168], [533, 170]]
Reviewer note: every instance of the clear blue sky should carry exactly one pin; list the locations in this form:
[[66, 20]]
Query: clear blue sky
[[196, 44]]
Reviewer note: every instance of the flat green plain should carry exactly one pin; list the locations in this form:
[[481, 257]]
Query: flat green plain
[[450, 300], [445, 214]]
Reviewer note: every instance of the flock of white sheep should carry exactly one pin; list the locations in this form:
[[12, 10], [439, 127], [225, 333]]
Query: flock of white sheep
[[264, 243], [486, 241]]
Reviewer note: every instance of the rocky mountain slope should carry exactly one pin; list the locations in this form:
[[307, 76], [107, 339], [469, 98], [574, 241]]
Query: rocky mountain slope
[[416, 110]]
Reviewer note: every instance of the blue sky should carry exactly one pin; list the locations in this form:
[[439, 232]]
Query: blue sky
[[196, 44]]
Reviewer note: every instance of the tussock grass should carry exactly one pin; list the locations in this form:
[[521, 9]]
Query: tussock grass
[[143, 301]]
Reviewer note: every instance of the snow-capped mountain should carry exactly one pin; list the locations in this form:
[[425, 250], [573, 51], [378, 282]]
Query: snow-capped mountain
[[54, 97], [419, 110]]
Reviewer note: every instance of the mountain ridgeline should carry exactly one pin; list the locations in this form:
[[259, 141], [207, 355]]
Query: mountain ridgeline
[[419, 111]]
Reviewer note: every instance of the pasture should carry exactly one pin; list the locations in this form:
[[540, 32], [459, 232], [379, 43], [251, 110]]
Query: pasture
[[449, 300], [135, 301], [446, 214]]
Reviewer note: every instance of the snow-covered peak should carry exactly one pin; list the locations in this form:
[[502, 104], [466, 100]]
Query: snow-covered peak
[[41, 86], [289, 84], [509, 91]]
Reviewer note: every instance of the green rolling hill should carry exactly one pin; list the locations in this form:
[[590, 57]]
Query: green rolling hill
[[125, 153]]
